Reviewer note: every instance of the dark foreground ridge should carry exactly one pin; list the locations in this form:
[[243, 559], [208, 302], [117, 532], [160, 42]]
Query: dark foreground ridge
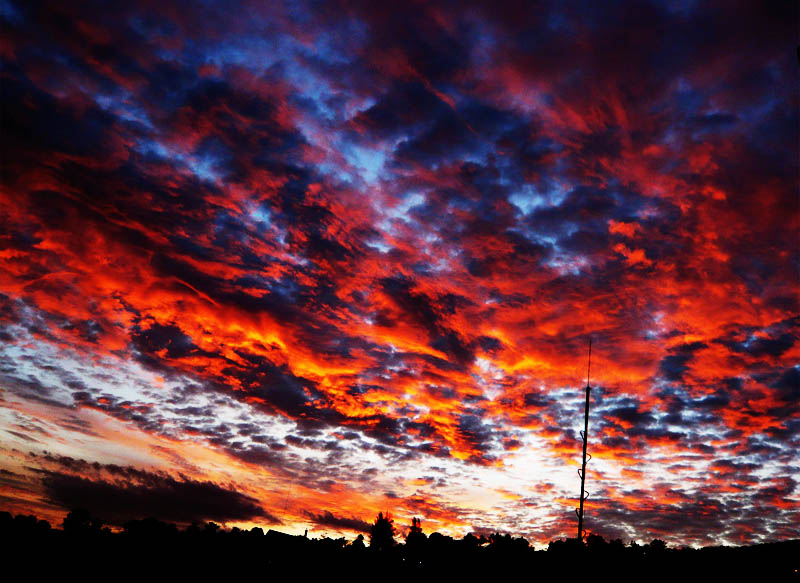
[[152, 548]]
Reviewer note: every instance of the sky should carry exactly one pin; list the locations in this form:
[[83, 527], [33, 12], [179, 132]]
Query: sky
[[293, 264]]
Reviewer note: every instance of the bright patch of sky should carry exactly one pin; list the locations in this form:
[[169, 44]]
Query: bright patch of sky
[[369, 160], [657, 327], [262, 216], [121, 107], [528, 200], [400, 211], [379, 245], [531, 198], [203, 166]]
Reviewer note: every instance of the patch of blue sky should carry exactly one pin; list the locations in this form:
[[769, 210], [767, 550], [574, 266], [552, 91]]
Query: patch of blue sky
[[431, 237], [204, 167], [153, 148], [310, 129], [315, 90], [369, 160], [309, 84], [333, 171], [400, 211], [122, 108], [309, 126], [528, 199], [201, 166], [537, 237], [356, 105], [261, 216], [255, 53], [557, 190], [379, 245], [750, 340], [464, 203], [273, 231]]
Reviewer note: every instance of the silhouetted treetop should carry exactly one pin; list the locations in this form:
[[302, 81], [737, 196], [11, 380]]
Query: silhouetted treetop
[[80, 521], [381, 535]]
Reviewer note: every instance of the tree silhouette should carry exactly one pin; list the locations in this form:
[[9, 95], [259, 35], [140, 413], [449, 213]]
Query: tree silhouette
[[595, 543], [657, 546], [80, 521], [415, 536], [381, 535]]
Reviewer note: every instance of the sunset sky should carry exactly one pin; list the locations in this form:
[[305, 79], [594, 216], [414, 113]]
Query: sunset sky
[[293, 264]]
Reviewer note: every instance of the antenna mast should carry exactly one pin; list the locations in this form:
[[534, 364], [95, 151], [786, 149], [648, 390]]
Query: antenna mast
[[584, 435]]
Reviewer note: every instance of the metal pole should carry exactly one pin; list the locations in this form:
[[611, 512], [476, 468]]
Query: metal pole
[[584, 434]]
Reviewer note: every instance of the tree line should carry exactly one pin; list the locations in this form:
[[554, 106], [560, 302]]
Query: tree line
[[206, 548]]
